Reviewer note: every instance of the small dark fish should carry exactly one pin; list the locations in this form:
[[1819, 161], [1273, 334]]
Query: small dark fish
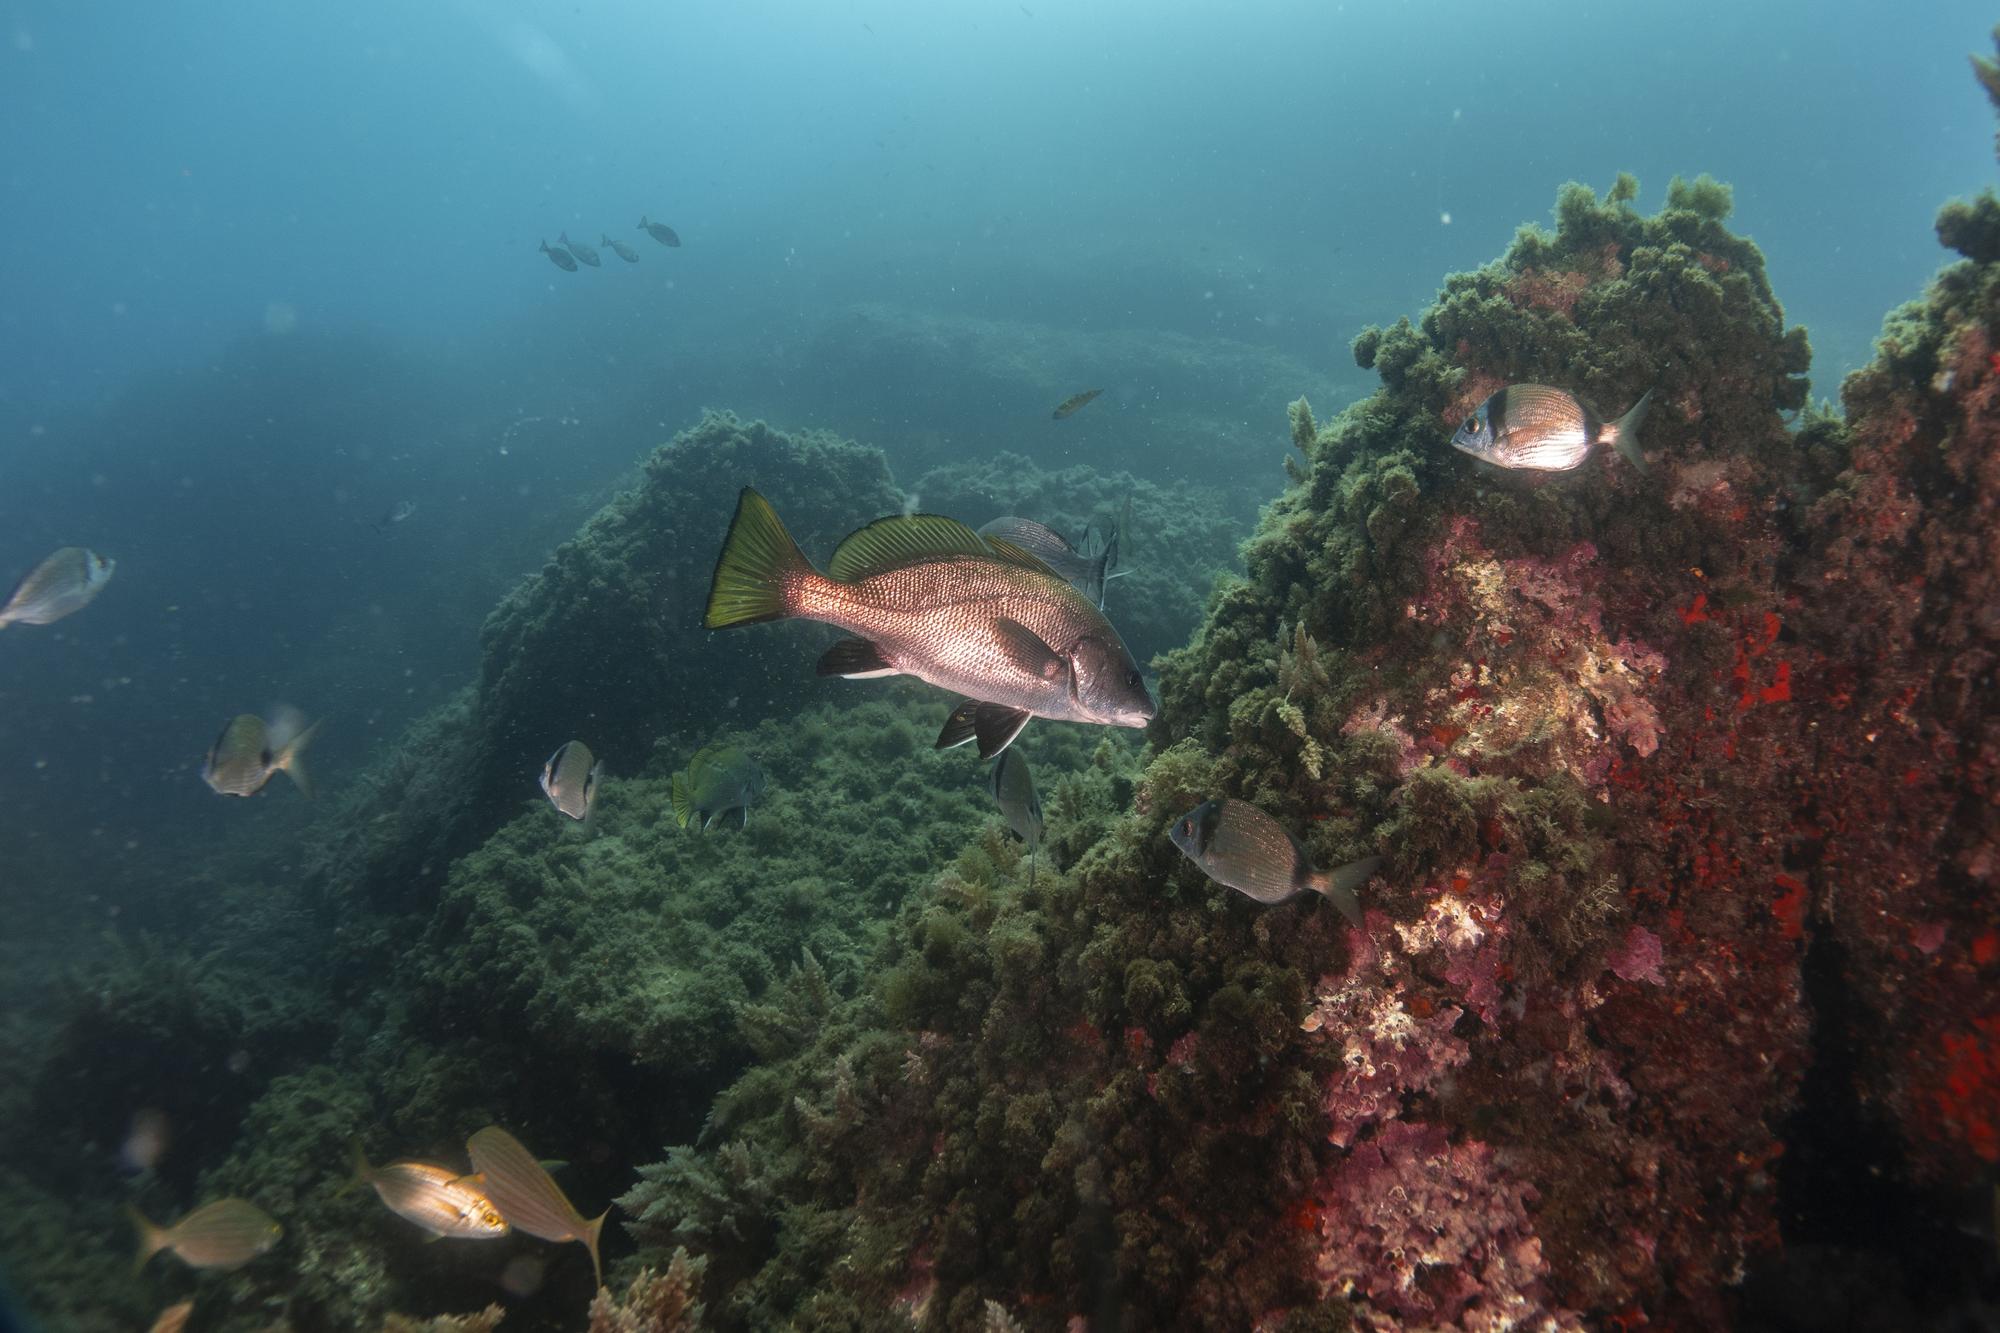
[[1540, 429], [619, 248], [1013, 788], [560, 257], [61, 585], [1087, 570], [436, 1198], [931, 598], [1068, 407], [250, 751], [719, 778], [527, 1196], [1239, 846], [570, 779], [226, 1234], [660, 232], [586, 253]]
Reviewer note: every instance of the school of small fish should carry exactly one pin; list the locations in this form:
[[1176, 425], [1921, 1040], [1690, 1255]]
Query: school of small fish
[[566, 254]]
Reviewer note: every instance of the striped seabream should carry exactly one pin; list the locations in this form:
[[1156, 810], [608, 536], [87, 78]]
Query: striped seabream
[[61, 585], [527, 1196], [436, 1198], [226, 1234]]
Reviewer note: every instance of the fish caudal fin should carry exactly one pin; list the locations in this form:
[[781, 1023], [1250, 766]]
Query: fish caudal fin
[[591, 1230], [1339, 886], [152, 1238], [292, 759], [758, 570], [683, 800], [1624, 432]]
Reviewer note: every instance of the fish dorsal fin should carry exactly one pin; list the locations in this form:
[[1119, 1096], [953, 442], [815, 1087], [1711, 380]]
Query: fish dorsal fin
[[1008, 553], [900, 540]]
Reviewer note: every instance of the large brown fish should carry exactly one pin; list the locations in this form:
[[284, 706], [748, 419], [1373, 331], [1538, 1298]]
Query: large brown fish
[[61, 585], [528, 1196], [226, 1234], [1239, 846], [436, 1198], [930, 598], [1068, 406]]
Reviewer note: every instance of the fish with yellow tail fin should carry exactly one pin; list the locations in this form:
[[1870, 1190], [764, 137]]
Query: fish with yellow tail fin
[[928, 597], [1242, 848], [528, 1197], [251, 751], [719, 778], [226, 1234], [436, 1198]]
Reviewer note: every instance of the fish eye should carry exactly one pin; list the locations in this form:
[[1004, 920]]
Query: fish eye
[[1134, 678], [1471, 426]]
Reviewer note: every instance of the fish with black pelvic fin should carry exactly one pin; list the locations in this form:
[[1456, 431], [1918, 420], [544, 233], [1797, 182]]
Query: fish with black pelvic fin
[[225, 1235], [528, 1197], [560, 257], [438, 1199], [619, 248], [1539, 429], [586, 253], [1240, 847], [928, 597], [60, 586], [570, 779], [1013, 788], [719, 778], [251, 751], [1069, 406], [1087, 568], [660, 232]]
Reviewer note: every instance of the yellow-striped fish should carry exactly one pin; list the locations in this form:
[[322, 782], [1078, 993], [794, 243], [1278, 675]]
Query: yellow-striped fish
[[436, 1198], [226, 1234], [528, 1196], [1068, 407], [61, 585], [251, 751]]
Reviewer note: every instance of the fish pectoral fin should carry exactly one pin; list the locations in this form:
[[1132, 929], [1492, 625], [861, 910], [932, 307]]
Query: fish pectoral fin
[[996, 726], [1027, 650], [855, 659], [958, 727]]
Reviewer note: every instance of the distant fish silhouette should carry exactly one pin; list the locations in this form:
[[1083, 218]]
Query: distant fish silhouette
[[560, 257], [396, 514], [588, 254], [660, 232], [619, 248], [1069, 406]]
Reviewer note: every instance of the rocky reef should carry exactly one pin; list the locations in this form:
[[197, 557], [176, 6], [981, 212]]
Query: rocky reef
[[1673, 1002]]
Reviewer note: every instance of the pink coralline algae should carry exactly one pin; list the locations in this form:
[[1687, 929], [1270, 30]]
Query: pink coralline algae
[[1421, 1232], [1638, 957], [1391, 1044]]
